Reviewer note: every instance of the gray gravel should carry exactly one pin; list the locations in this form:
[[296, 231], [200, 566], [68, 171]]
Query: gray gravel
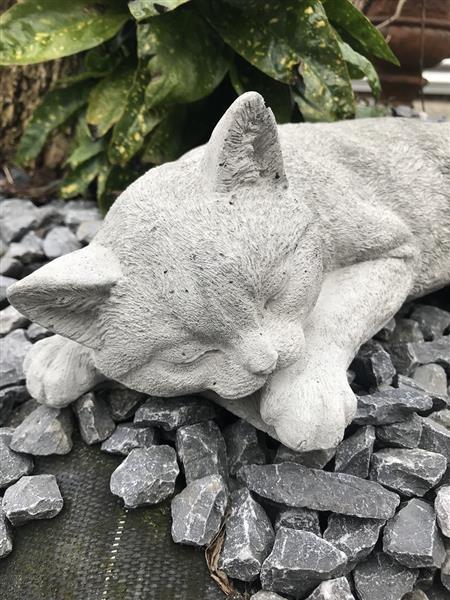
[[33, 497], [45, 431]]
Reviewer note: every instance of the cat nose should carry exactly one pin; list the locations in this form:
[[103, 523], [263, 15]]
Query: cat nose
[[264, 367]]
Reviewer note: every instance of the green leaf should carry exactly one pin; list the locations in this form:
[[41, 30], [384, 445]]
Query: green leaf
[[187, 61], [83, 147], [351, 20], [37, 30], [244, 78], [285, 39], [364, 111], [77, 182], [359, 66], [166, 141], [56, 107], [136, 122], [142, 9], [108, 99]]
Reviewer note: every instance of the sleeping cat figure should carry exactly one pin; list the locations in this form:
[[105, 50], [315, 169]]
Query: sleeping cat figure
[[251, 269]]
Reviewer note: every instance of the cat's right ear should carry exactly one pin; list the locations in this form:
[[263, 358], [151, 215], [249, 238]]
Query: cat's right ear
[[65, 295], [244, 148]]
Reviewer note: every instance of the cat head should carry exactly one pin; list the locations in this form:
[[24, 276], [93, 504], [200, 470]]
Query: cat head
[[202, 274]]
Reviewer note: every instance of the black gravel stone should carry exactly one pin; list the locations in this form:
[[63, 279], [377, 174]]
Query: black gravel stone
[[121, 401], [10, 397], [12, 465], [407, 357], [390, 406], [433, 321], [333, 589], [381, 577], [372, 365], [94, 419], [243, 447], [303, 519], [14, 349], [353, 536], [201, 449], [127, 436], [316, 459], [43, 432], [172, 413], [405, 434], [32, 497], [354, 453]]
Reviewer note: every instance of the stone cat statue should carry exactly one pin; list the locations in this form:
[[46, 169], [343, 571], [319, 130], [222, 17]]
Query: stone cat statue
[[252, 268]]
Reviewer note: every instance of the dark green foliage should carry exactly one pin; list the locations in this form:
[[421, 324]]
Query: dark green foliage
[[157, 75]]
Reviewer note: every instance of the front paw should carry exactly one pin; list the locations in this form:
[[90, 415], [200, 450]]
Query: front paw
[[58, 371], [309, 409]]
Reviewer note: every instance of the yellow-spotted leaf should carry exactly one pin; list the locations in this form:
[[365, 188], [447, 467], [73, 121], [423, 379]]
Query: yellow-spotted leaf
[[359, 66], [84, 146], [33, 31], [77, 182], [143, 9]]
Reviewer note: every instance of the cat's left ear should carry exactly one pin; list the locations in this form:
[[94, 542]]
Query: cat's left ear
[[244, 148], [67, 294]]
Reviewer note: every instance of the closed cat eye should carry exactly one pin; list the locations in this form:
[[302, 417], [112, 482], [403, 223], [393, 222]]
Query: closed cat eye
[[186, 360]]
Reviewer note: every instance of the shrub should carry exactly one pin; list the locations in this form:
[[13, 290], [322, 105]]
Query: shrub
[[157, 75]]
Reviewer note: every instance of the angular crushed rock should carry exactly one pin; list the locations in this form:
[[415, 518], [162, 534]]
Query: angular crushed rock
[[410, 472], [87, 230], [412, 536], [442, 417], [10, 397], [407, 357], [121, 401], [299, 561], [43, 432], [6, 544], [432, 379], [5, 282], [249, 538], [316, 459], [32, 497], [404, 382], [445, 569], [433, 321], [354, 453], [353, 536], [94, 419], [11, 319], [390, 406], [442, 508], [14, 348], [385, 333], [12, 465], [146, 476], [261, 595], [405, 434], [17, 216], [380, 577], [303, 519], [76, 212], [435, 437], [201, 449], [197, 512], [127, 436], [172, 413], [10, 267], [36, 332], [372, 365], [28, 250], [406, 331], [334, 589], [60, 241], [298, 486], [243, 447]]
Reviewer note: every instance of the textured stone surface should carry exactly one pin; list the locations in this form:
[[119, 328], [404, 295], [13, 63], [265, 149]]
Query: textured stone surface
[[303, 519], [172, 413], [86, 231], [28, 250], [442, 508], [409, 356], [32, 497], [6, 543], [36, 332], [5, 282], [262, 595], [198, 510], [299, 561], [14, 348], [442, 417], [433, 321], [410, 472], [202, 451], [380, 577], [372, 365], [45, 431], [127, 436], [10, 397], [299, 486], [432, 379], [12, 465], [243, 446], [390, 406], [76, 212], [353, 536], [334, 589], [405, 434], [122, 402], [354, 453], [94, 419], [249, 538], [17, 216], [435, 437], [11, 319], [406, 330], [445, 569], [60, 241], [146, 476], [412, 536], [415, 595], [316, 459], [385, 333]]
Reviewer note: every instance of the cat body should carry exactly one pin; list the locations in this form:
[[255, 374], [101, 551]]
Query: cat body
[[252, 269]]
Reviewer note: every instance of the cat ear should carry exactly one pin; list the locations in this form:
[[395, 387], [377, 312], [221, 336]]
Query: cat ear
[[244, 147], [66, 294]]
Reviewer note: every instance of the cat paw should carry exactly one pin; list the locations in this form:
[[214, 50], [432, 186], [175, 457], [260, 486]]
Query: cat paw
[[308, 410], [58, 371]]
